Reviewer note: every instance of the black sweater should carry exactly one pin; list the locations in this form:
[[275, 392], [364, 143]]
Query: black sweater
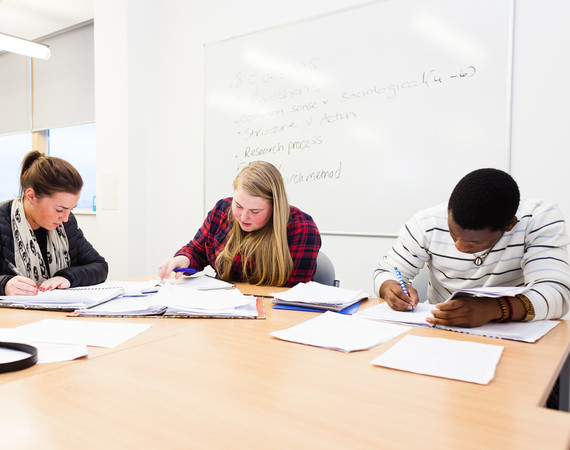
[[87, 266]]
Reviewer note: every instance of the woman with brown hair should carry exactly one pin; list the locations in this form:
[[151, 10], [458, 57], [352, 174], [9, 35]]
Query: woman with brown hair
[[42, 247]]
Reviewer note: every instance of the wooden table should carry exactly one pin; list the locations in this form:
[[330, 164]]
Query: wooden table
[[225, 383]]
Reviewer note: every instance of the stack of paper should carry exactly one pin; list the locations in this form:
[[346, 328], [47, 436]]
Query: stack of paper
[[318, 296], [184, 300], [340, 332], [181, 300]]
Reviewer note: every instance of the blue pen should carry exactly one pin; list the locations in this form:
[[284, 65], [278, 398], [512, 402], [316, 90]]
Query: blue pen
[[399, 275], [186, 270]]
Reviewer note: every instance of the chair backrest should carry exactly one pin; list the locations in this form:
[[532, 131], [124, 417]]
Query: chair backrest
[[325, 271]]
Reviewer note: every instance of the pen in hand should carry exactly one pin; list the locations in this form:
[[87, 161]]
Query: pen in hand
[[399, 276], [13, 268]]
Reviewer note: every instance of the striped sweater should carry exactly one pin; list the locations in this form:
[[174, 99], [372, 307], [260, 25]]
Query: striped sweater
[[534, 250]]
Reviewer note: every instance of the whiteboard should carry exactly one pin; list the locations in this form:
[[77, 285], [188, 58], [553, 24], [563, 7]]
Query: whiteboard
[[370, 113]]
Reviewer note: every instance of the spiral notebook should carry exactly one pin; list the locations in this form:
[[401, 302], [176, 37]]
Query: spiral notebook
[[63, 299]]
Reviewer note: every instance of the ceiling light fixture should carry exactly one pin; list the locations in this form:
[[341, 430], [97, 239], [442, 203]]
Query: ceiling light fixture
[[23, 47]]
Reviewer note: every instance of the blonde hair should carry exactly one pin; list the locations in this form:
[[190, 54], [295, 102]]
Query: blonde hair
[[265, 252]]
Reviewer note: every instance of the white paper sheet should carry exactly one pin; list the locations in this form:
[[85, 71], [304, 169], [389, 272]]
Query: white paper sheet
[[202, 282], [517, 331], [447, 358], [9, 355], [383, 312], [47, 352], [80, 331], [340, 332], [493, 291], [135, 288]]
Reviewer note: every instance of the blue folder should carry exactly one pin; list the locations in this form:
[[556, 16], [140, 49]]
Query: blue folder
[[348, 310]]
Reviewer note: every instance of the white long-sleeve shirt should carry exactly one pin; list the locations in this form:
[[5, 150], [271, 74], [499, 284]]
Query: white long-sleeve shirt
[[534, 250]]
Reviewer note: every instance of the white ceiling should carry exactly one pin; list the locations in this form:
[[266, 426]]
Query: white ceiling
[[32, 19]]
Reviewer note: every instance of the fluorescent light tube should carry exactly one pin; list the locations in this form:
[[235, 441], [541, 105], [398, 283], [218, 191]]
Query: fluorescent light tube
[[23, 47]]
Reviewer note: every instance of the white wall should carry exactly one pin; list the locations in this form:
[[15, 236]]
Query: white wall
[[149, 78], [541, 99]]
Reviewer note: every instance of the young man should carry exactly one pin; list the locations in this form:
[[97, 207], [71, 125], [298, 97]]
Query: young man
[[485, 236]]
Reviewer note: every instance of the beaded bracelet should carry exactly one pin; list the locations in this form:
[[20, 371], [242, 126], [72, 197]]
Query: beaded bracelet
[[504, 311], [511, 309], [507, 310]]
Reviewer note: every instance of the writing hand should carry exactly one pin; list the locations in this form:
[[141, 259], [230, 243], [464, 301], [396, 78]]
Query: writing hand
[[392, 292], [21, 286], [465, 312], [168, 265]]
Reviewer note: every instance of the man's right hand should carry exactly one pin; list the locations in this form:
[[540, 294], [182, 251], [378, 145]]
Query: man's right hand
[[392, 292]]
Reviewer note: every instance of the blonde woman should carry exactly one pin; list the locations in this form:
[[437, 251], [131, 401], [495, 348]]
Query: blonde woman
[[254, 236]]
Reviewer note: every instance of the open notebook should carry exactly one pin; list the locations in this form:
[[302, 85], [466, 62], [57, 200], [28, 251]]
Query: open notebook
[[517, 331], [63, 299]]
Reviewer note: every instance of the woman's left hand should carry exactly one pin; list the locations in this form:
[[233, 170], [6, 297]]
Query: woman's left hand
[[55, 283]]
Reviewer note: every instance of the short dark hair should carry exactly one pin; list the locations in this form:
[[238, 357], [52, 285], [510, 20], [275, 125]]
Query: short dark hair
[[48, 175], [484, 198]]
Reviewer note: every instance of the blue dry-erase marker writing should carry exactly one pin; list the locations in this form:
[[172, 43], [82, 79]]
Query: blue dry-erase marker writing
[[186, 270], [399, 276]]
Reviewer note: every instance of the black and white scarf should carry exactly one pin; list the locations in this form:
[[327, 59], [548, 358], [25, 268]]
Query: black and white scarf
[[28, 256]]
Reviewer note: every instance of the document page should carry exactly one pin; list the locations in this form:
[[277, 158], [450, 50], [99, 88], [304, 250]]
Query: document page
[[47, 352], [446, 358], [493, 291], [340, 332], [384, 313], [98, 334]]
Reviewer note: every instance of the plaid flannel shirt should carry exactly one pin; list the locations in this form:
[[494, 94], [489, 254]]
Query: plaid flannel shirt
[[302, 236]]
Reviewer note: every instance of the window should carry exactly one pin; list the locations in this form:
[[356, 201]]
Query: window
[[13, 148], [76, 144], [61, 91]]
